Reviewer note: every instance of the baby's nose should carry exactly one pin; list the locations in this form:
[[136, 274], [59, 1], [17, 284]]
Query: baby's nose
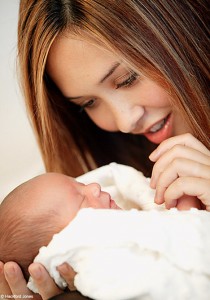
[[94, 189]]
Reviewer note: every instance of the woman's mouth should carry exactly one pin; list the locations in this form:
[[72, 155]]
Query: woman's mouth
[[158, 126], [160, 131]]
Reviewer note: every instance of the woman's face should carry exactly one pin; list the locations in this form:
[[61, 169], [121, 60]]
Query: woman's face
[[114, 96]]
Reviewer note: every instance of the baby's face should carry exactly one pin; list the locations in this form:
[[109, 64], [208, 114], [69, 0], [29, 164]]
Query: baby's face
[[66, 196], [78, 195]]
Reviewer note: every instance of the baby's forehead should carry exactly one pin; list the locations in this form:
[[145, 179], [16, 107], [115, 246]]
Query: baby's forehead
[[52, 195], [57, 187], [55, 180]]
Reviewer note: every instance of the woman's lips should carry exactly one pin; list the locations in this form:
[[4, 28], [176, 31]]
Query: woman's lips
[[161, 134]]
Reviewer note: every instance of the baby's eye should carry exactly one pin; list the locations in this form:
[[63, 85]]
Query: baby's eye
[[87, 104], [126, 80]]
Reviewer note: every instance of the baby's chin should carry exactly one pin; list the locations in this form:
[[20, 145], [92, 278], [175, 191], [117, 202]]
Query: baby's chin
[[187, 202]]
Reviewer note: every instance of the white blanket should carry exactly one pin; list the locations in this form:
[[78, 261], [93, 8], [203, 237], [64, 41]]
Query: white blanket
[[134, 254], [127, 186]]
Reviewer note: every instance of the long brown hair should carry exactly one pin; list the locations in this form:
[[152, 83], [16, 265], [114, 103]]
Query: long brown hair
[[167, 40]]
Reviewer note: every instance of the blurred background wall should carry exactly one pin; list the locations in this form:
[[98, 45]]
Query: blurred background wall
[[19, 155]]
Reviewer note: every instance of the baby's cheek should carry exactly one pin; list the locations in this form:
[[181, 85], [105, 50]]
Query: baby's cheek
[[187, 202]]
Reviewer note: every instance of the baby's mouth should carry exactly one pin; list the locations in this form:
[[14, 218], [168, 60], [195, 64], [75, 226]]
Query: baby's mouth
[[113, 204]]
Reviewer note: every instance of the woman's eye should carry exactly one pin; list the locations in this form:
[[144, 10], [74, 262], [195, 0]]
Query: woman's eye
[[128, 80], [87, 104]]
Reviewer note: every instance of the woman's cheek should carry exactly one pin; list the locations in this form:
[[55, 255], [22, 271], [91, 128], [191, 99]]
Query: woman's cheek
[[103, 120]]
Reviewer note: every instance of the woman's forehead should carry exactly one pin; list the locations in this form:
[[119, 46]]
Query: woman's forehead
[[78, 64]]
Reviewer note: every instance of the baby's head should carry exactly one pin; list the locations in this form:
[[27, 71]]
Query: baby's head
[[33, 212]]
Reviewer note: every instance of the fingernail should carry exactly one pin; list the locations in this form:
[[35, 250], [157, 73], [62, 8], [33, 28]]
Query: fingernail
[[10, 272], [154, 155], [158, 198], [63, 269], [35, 272], [172, 204]]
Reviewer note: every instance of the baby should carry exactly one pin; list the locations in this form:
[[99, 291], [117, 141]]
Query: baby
[[33, 212], [49, 202]]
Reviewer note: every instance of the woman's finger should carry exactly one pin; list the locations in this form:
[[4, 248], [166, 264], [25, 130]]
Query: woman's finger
[[68, 274], [190, 186], [4, 287], [177, 151], [16, 280], [45, 284], [180, 167], [186, 139]]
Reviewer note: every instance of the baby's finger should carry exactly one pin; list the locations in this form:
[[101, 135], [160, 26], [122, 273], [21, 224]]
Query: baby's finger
[[179, 168], [68, 274], [190, 186], [187, 202], [4, 287], [185, 139], [45, 284], [178, 151], [15, 279]]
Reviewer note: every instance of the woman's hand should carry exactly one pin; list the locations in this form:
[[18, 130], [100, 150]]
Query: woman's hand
[[12, 281], [182, 167], [4, 287], [45, 284], [68, 274]]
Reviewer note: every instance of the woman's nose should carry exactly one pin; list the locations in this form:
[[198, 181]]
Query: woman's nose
[[127, 117]]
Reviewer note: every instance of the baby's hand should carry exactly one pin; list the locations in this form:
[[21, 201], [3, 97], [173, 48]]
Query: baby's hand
[[187, 202], [182, 167]]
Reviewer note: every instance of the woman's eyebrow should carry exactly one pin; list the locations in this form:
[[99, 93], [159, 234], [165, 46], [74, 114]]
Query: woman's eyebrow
[[73, 98], [110, 72]]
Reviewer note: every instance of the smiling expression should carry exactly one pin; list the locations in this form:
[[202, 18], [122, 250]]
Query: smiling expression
[[114, 96]]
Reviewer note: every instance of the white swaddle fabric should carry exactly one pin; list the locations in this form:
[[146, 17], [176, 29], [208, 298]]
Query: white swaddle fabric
[[127, 186], [134, 254], [153, 254]]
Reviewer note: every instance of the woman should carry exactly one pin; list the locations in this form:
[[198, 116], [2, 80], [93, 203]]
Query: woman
[[101, 78]]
